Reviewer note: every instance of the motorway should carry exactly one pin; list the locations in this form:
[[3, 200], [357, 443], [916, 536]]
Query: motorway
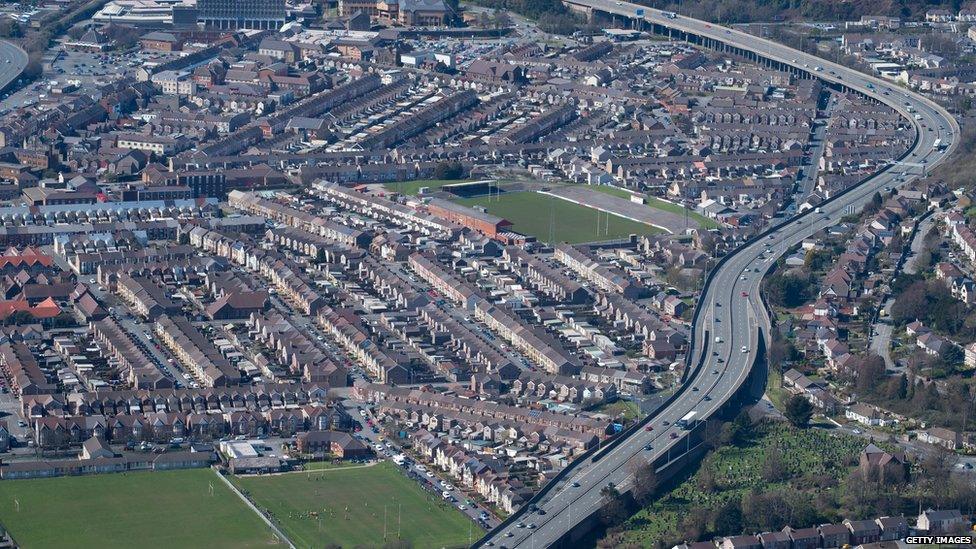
[[730, 307], [12, 62]]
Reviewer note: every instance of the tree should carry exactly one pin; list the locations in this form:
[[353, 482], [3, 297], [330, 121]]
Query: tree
[[875, 204], [34, 68], [787, 290], [501, 19], [774, 467], [799, 411], [911, 304], [694, 524], [706, 480], [559, 23], [449, 170], [870, 372], [645, 480], [739, 431], [614, 509], [10, 29], [896, 388], [728, 518], [952, 355], [817, 260], [781, 350]]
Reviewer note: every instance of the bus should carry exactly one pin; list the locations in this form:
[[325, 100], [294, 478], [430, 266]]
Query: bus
[[687, 421]]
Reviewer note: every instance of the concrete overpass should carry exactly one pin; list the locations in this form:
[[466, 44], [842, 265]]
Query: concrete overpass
[[730, 320], [13, 61]]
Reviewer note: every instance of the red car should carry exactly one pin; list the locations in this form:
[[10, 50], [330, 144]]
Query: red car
[[745, 294], [649, 428]]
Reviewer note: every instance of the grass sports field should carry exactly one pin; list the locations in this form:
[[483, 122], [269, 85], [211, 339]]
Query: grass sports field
[[534, 214], [349, 506], [146, 509]]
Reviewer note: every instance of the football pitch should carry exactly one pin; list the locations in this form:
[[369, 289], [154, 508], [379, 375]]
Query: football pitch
[[357, 506], [555, 220], [143, 509]]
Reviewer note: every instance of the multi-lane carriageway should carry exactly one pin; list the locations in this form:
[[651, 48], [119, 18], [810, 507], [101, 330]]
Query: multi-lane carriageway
[[730, 313]]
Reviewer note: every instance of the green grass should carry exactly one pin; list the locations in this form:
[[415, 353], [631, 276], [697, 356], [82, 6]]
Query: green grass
[[413, 187], [778, 395], [351, 503], [145, 509], [531, 214], [612, 191], [809, 455], [627, 408], [658, 204]]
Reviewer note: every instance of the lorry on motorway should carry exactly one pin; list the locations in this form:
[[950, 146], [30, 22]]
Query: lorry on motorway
[[938, 145], [687, 421]]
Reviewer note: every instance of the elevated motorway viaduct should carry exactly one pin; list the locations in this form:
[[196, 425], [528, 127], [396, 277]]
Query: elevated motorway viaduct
[[13, 60], [730, 319]]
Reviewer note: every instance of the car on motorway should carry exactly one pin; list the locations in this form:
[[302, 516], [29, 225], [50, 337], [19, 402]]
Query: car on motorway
[[745, 349], [575, 484], [648, 447], [674, 435], [745, 294], [649, 428]]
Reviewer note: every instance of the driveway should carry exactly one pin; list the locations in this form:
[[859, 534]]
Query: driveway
[[881, 340]]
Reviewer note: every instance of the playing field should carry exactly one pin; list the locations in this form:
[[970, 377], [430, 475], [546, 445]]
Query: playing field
[[541, 215], [354, 506], [146, 509]]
